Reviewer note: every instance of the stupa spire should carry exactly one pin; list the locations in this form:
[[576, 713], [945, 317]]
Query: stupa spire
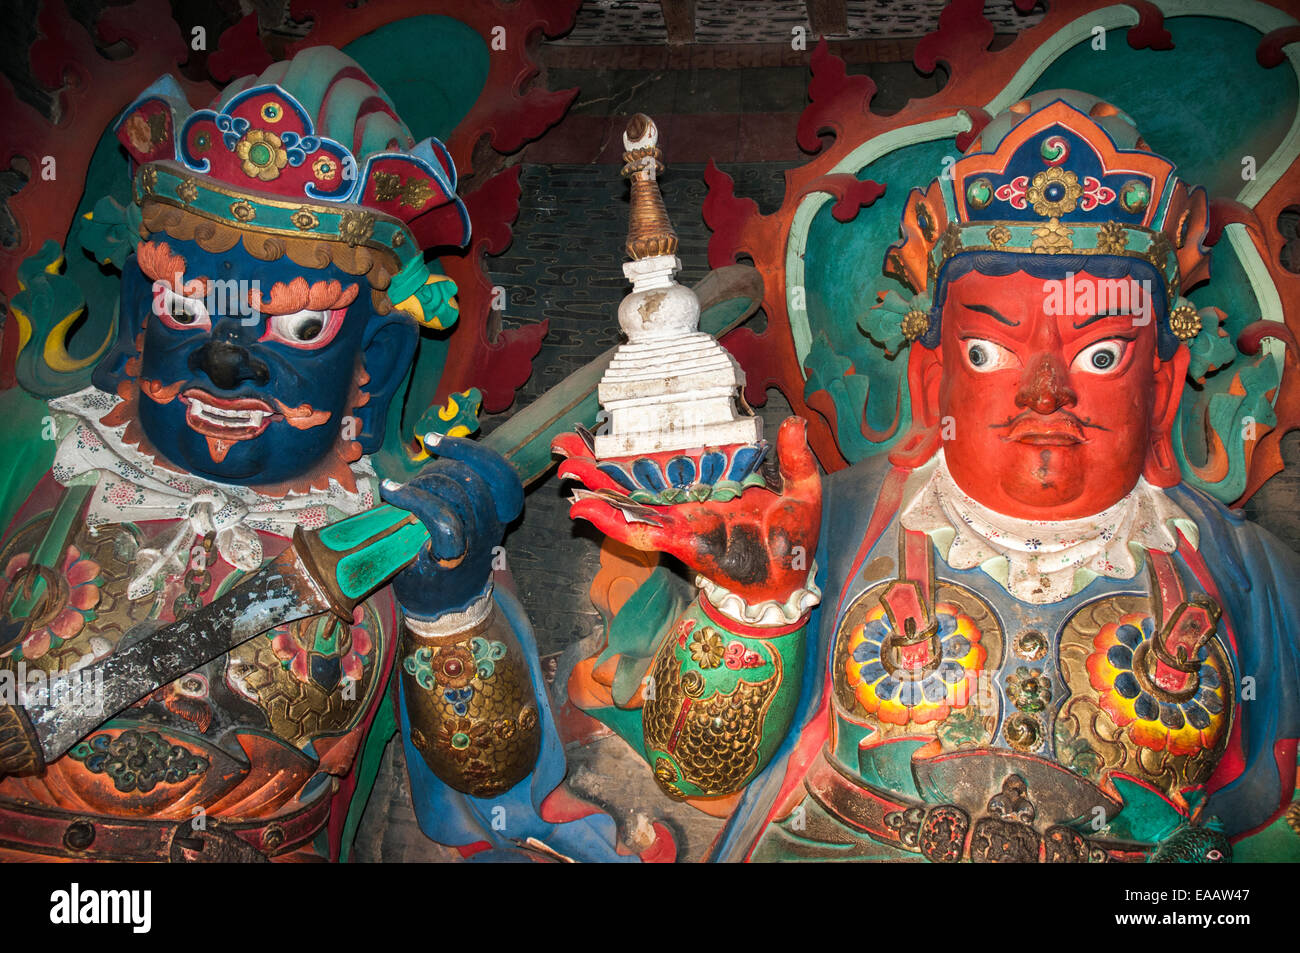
[[649, 232], [670, 386]]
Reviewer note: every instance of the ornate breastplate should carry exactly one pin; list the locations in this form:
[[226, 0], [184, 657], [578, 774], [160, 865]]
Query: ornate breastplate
[[242, 735], [1107, 712]]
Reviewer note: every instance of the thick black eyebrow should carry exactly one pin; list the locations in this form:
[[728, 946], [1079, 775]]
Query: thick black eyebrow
[[992, 313], [1105, 314]]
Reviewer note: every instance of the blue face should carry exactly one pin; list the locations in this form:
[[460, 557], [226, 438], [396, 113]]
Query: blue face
[[244, 395]]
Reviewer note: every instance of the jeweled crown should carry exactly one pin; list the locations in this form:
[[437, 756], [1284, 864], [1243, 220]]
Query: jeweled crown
[[312, 146], [1057, 173]]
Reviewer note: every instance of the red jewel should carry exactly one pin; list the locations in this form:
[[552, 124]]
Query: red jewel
[[451, 667]]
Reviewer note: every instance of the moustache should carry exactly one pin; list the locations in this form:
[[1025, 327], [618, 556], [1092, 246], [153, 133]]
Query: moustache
[[1059, 428]]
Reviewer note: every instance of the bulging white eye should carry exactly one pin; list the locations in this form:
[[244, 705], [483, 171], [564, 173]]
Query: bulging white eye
[[178, 311], [301, 327], [1100, 358], [984, 356]]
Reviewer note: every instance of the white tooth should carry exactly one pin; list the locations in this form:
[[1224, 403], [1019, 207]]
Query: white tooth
[[226, 417]]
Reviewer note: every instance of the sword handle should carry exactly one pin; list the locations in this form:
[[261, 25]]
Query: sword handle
[[352, 558]]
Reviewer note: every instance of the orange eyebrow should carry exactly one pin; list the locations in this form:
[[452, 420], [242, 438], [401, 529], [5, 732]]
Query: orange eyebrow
[[297, 295], [160, 263]]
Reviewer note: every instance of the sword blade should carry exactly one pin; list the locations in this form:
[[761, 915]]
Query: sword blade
[[80, 701]]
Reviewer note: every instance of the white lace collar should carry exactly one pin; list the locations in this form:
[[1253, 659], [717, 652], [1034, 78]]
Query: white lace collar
[[130, 486], [1041, 561]]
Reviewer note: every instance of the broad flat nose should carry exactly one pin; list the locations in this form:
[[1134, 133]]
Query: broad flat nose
[[1045, 387], [228, 365]]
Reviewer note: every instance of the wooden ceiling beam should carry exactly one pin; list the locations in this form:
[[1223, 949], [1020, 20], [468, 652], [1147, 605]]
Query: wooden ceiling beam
[[679, 18], [828, 17]]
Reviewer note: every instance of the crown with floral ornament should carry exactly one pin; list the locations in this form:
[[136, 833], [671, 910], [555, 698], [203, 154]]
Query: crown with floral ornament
[[1057, 173], [310, 148]]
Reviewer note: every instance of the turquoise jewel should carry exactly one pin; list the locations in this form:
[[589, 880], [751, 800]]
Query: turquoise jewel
[[1134, 196], [979, 193], [486, 654], [1054, 150]]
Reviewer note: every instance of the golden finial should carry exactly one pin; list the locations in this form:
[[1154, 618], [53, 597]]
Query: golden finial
[[649, 233]]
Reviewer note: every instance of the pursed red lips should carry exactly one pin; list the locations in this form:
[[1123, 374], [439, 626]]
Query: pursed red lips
[[1046, 432]]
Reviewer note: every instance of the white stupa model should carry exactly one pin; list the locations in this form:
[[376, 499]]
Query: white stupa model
[[671, 386]]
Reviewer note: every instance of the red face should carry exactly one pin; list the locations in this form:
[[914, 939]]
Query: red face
[[1047, 416]]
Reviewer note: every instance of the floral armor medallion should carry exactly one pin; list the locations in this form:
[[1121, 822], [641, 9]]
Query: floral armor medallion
[[1120, 714], [879, 689], [314, 677], [900, 694]]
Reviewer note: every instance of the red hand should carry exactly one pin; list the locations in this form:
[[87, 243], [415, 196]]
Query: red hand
[[759, 545]]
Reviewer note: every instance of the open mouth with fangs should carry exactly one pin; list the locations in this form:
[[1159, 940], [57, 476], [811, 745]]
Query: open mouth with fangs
[[226, 420]]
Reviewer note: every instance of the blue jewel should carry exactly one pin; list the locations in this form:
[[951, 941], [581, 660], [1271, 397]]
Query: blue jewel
[[459, 698], [1146, 708], [1120, 656], [1129, 635], [1127, 685], [1171, 716]]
